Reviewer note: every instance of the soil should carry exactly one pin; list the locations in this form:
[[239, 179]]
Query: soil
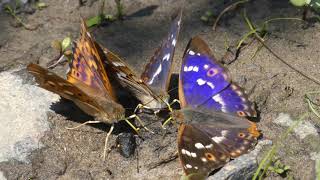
[[275, 88]]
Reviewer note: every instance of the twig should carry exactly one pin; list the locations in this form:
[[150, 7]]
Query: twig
[[257, 36], [164, 161], [225, 10]]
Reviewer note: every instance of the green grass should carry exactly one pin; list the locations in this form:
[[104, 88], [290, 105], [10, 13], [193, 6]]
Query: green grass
[[102, 16], [269, 158]]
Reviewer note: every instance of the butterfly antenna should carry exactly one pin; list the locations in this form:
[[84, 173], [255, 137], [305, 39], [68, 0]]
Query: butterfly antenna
[[85, 123]]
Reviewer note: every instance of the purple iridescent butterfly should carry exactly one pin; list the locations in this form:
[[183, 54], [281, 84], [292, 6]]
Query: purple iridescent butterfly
[[212, 131], [151, 88], [204, 82]]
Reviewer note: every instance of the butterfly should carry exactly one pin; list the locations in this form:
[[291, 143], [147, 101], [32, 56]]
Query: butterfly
[[151, 88], [212, 109], [87, 83]]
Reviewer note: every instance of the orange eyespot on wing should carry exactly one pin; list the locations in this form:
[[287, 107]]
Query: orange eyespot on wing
[[211, 72]]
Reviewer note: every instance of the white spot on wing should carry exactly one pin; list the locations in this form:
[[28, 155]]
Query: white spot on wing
[[218, 139], [206, 66], [188, 166], [174, 41], [217, 98], [121, 75], [203, 159], [190, 68], [185, 68], [201, 81], [209, 146], [191, 52], [199, 146], [194, 155], [117, 64], [183, 151], [210, 84], [195, 68], [155, 74], [188, 153], [224, 133], [166, 57]]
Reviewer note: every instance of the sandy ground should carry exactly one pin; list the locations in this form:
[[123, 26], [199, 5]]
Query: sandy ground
[[273, 86]]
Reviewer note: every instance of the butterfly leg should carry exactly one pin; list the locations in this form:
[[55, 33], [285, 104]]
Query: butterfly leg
[[141, 106], [140, 122], [106, 142], [88, 122], [170, 109], [166, 122], [175, 101]]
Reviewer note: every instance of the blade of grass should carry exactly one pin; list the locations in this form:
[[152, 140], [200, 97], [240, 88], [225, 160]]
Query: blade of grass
[[258, 37], [18, 19], [267, 160], [226, 10], [312, 104]]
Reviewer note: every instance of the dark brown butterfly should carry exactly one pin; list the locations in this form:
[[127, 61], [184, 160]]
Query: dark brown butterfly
[[212, 131], [151, 88], [87, 83]]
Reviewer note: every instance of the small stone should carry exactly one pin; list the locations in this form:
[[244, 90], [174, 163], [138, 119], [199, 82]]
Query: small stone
[[304, 129], [126, 144]]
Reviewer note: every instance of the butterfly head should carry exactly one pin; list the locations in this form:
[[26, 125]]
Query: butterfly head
[[110, 112], [158, 102]]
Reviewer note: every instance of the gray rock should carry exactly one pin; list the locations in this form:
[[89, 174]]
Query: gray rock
[[242, 167], [23, 112], [304, 129]]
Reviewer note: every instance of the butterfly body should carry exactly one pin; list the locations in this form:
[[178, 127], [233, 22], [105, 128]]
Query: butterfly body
[[87, 83], [213, 129]]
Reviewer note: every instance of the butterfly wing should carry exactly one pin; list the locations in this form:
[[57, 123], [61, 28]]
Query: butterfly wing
[[195, 160], [65, 89], [231, 100], [87, 67], [204, 82], [208, 140], [127, 78], [158, 71], [152, 87]]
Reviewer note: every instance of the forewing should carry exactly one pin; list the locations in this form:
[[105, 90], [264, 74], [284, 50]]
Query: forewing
[[158, 71], [87, 67], [201, 76], [206, 84]]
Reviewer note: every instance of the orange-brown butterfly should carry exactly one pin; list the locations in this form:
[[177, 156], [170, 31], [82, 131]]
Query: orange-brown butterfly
[[87, 83]]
